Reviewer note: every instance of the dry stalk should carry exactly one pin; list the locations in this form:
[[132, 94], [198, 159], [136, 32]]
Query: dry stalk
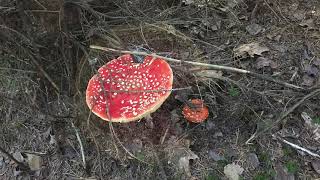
[[81, 146]]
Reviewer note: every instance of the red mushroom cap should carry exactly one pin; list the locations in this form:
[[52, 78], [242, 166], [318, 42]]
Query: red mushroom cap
[[130, 90], [198, 114]]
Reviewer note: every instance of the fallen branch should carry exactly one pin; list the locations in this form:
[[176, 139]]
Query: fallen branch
[[296, 146], [212, 66]]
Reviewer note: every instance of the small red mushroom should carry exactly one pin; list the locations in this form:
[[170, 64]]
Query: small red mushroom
[[197, 114], [125, 91]]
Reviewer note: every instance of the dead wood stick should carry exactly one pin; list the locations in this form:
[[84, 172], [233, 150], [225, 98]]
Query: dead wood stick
[[212, 66], [297, 146]]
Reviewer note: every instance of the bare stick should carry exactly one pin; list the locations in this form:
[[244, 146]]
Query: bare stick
[[81, 146], [297, 147], [213, 66]]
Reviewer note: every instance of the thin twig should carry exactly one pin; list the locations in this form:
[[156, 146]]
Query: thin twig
[[81, 146], [123, 147], [297, 147], [212, 66]]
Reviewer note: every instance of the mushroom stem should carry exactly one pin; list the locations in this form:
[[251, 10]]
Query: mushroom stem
[[213, 66]]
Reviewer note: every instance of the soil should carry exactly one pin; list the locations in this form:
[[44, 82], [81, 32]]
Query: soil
[[262, 125]]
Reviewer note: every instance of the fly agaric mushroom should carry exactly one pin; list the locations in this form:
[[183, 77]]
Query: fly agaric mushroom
[[197, 114], [125, 91]]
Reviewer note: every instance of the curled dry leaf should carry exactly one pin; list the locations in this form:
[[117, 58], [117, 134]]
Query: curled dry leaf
[[250, 49], [233, 171]]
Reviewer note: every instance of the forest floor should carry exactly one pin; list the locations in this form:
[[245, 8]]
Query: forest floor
[[263, 125]]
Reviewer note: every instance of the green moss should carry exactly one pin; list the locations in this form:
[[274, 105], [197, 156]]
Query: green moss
[[288, 152], [140, 156], [264, 175], [316, 120], [292, 166], [233, 91], [222, 163], [212, 176]]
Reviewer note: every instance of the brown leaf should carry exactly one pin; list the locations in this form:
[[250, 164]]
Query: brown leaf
[[250, 49]]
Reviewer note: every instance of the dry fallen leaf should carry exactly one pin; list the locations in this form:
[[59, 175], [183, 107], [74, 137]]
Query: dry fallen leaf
[[233, 171], [34, 162], [313, 127], [179, 155], [250, 49]]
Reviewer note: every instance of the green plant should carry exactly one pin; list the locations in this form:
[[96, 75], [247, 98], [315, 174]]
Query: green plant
[[316, 120], [140, 156], [211, 176], [233, 91], [262, 176], [222, 163], [288, 152], [292, 166]]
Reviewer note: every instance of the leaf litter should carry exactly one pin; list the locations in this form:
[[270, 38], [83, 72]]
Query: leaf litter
[[250, 49]]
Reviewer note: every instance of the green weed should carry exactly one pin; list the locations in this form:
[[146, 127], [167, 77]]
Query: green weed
[[316, 120], [233, 91], [292, 166]]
